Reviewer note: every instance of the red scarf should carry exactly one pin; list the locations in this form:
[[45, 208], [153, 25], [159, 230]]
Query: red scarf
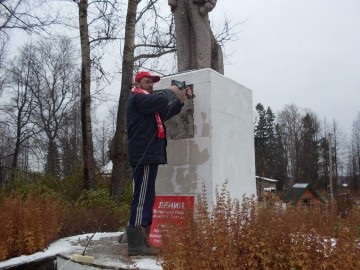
[[161, 129]]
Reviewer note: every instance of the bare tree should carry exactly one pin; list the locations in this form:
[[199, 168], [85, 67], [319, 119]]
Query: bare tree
[[16, 111], [118, 152], [20, 106], [5, 151], [32, 17], [290, 123], [88, 148], [98, 24], [152, 41], [3, 43], [103, 132], [54, 86], [70, 141], [29, 16], [339, 145], [26, 15]]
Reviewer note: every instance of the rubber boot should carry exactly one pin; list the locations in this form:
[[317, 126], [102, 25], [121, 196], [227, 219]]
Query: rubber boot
[[123, 238], [154, 249], [136, 242], [147, 235]]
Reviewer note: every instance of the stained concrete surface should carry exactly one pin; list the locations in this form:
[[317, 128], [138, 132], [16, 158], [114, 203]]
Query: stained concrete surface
[[108, 253]]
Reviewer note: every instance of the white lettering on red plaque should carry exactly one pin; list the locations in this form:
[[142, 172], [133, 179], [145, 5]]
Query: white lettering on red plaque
[[165, 207]]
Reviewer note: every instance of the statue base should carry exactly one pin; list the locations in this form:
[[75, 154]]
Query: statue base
[[212, 140]]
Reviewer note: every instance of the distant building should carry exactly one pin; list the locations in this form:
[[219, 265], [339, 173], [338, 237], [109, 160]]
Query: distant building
[[264, 184], [302, 193]]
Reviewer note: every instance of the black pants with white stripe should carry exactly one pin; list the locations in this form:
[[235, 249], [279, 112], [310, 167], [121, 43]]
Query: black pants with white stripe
[[144, 195]]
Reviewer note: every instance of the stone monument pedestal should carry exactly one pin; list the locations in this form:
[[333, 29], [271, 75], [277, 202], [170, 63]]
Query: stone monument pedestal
[[212, 140]]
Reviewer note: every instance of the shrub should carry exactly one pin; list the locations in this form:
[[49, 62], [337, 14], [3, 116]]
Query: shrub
[[28, 224], [79, 220], [37, 209], [261, 235], [94, 211], [35, 183]]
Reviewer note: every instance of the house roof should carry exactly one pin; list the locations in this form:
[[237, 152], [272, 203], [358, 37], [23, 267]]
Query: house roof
[[297, 190], [267, 179], [301, 185]]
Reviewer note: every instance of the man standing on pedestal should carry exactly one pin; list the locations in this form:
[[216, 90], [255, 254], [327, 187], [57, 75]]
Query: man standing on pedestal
[[145, 113]]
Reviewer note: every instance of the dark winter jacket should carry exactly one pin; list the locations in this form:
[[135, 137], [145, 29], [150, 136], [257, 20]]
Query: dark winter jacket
[[144, 147]]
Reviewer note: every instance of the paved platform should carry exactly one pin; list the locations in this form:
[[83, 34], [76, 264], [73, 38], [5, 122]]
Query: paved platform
[[107, 252]]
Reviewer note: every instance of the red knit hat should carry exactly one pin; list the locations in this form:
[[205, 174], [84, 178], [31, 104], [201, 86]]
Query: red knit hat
[[143, 74]]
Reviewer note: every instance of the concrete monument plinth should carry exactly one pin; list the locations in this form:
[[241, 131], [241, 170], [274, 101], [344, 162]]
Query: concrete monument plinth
[[212, 140]]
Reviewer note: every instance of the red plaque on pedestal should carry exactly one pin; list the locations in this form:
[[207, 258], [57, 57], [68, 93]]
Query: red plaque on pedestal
[[170, 206]]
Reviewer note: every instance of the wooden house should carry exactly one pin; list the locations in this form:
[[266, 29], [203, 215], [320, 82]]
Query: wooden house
[[302, 194]]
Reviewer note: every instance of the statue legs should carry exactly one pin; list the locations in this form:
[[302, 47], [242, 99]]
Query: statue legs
[[193, 37], [202, 40]]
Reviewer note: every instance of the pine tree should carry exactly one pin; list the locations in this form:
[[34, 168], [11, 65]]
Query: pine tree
[[270, 154], [260, 137]]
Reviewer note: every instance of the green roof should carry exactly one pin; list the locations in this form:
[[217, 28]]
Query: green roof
[[297, 190]]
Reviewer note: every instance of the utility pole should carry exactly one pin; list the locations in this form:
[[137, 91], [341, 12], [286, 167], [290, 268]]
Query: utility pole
[[330, 169]]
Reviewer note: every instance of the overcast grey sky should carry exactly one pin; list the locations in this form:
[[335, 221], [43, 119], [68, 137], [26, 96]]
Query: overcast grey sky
[[303, 52]]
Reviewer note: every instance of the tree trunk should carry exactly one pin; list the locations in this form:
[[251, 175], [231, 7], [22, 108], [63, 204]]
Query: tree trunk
[[14, 163], [52, 159], [87, 143], [118, 153]]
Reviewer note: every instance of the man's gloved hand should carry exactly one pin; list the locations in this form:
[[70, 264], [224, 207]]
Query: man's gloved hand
[[182, 94]]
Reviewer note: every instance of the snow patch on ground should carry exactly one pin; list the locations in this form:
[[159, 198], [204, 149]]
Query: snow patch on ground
[[70, 245]]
